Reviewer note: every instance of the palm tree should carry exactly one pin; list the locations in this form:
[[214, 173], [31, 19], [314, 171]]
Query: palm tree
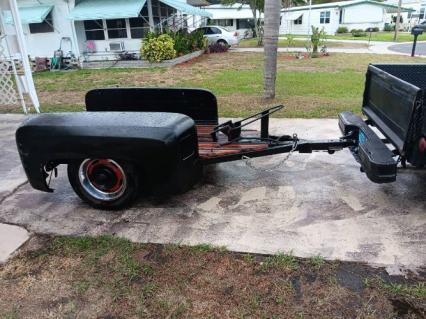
[[256, 7], [271, 31]]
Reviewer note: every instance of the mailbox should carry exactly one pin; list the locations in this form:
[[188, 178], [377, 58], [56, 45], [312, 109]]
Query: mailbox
[[416, 31]]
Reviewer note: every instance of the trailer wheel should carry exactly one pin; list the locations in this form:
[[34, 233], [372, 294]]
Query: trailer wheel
[[104, 183]]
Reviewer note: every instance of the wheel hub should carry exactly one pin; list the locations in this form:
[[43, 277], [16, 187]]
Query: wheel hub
[[103, 179]]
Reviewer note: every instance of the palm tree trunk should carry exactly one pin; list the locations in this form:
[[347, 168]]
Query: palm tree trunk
[[270, 40], [398, 18]]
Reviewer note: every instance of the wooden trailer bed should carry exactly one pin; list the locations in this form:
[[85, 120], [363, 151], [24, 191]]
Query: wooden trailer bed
[[207, 148]]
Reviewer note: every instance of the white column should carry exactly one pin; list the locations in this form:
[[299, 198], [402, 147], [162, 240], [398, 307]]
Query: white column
[[73, 34], [309, 17], [150, 16], [159, 14], [24, 54]]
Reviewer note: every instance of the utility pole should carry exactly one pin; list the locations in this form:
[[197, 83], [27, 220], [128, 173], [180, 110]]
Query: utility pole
[[398, 19], [309, 17]]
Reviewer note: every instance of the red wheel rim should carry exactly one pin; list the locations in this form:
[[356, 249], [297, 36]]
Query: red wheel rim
[[103, 179]]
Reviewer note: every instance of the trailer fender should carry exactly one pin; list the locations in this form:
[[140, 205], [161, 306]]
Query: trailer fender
[[158, 143]]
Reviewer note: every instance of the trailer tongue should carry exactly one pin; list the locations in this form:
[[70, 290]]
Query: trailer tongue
[[152, 138]]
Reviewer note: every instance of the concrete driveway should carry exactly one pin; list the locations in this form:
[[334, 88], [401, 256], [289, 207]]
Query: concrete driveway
[[407, 47], [312, 204]]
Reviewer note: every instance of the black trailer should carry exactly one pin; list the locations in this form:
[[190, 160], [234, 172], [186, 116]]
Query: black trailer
[[135, 138]]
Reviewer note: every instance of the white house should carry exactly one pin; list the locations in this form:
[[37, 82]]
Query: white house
[[97, 29], [354, 14], [410, 19], [236, 17]]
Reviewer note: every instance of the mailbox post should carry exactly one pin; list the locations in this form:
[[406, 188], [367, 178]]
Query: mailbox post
[[370, 30], [416, 32]]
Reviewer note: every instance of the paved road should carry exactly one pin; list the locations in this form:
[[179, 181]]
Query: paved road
[[375, 47], [407, 47], [313, 204]]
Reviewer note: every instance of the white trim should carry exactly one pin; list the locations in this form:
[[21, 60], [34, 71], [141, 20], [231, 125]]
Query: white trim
[[128, 28], [24, 55]]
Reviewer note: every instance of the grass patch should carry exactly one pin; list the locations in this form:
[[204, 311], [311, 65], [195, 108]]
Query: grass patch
[[284, 43], [309, 88], [375, 36], [109, 277], [413, 291], [281, 262], [204, 248], [380, 36], [317, 261]]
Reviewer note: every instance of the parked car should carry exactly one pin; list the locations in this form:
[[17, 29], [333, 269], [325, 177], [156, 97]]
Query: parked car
[[216, 34]]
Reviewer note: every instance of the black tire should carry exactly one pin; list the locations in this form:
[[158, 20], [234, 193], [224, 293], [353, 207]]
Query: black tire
[[222, 42], [92, 194]]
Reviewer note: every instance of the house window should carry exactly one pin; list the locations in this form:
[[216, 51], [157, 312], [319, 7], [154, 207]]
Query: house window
[[245, 23], [116, 28], [42, 27], [222, 22], [94, 30], [298, 20], [324, 17], [139, 28]]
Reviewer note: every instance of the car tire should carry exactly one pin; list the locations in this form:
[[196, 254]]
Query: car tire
[[104, 183], [222, 42]]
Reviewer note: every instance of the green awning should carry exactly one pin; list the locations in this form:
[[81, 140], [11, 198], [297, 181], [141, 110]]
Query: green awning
[[186, 8], [35, 14], [106, 9]]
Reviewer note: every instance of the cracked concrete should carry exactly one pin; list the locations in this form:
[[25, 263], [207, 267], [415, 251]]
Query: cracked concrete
[[312, 204], [12, 177]]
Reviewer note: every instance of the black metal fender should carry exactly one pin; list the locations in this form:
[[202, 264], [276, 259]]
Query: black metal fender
[[160, 144]]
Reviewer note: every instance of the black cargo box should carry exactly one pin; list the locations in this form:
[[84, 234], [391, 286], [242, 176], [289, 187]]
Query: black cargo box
[[394, 102]]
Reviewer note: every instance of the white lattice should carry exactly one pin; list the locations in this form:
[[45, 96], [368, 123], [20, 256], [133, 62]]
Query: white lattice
[[8, 95]]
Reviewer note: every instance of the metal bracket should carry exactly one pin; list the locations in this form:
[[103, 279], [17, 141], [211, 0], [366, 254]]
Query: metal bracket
[[233, 130]]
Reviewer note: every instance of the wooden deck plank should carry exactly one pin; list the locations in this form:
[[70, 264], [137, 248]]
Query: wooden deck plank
[[207, 148]]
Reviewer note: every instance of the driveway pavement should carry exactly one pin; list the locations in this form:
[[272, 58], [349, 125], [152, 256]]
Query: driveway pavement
[[312, 204], [375, 47], [407, 47]]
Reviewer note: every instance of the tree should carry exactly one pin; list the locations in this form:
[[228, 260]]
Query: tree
[[398, 20], [256, 7], [270, 38]]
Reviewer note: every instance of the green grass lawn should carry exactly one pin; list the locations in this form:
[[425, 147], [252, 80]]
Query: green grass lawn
[[375, 36], [309, 88], [284, 43], [380, 36], [110, 277]]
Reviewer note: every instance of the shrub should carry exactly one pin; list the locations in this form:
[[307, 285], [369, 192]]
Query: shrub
[[358, 33], [375, 29], [342, 30], [218, 48], [317, 39], [185, 42], [389, 27], [156, 48], [198, 40], [182, 43]]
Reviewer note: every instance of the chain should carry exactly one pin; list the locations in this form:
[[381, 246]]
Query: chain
[[269, 169]]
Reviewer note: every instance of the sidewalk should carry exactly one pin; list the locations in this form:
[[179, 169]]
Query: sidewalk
[[12, 178], [376, 47]]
